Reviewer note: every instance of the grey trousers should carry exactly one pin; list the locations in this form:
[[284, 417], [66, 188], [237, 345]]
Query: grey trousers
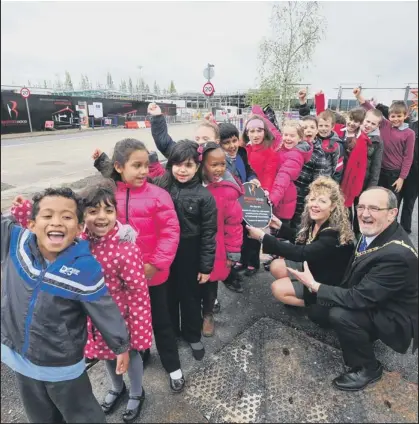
[[69, 401]]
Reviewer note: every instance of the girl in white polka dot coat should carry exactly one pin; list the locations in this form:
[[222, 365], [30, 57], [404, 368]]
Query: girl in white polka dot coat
[[113, 245]]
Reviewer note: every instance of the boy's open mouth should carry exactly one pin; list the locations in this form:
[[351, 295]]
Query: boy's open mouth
[[56, 236]]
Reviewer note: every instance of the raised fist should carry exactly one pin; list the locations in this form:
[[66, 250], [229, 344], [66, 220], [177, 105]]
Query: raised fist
[[18, 201], [209, 116], [356, 91], [153, 109], [96, 154]]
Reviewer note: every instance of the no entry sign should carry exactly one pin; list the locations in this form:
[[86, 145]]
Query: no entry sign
[[25, 93], [257, 211], [208, 89]]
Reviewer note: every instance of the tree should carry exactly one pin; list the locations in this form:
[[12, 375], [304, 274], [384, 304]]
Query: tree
[[109, 81], [156, 89], [296, 29], [45, 84], [68, 85], [123, 85], [130, 87], [82, 82], [164, 91], [172, 88], [147, 88]]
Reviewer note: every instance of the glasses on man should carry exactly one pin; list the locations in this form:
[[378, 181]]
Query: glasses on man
[[371, 209]]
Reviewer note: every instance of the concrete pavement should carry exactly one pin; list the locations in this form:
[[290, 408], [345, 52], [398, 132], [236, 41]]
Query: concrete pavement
[[29, 164], [266, 363]]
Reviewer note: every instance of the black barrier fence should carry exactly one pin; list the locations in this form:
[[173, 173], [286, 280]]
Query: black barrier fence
[[63, 112]]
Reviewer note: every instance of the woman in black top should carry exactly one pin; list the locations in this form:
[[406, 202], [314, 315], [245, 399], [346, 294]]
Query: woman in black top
[[325, 240]]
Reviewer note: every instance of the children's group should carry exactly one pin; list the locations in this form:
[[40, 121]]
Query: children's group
[[94, 275]]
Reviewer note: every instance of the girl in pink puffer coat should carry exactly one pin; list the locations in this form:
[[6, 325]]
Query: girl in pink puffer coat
[[229, 238], [292, 155], [150, 211]]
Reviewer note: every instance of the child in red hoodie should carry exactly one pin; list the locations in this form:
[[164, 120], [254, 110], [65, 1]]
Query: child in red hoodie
[[264, 161]]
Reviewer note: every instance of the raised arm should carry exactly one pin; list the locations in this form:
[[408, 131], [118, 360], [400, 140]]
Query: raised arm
[[162, 139]]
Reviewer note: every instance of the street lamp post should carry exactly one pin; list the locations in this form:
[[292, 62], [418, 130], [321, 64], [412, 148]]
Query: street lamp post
[[140, 67]]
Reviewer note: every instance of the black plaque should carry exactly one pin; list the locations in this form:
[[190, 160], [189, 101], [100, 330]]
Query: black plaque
[[257, 211]]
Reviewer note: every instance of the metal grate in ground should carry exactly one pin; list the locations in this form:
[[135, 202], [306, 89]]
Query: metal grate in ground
[[273, 373]]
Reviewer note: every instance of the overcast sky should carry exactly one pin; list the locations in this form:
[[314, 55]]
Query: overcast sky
[[175, 40]]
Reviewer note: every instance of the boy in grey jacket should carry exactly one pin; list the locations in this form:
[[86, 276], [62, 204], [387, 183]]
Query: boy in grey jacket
[[51, 283]]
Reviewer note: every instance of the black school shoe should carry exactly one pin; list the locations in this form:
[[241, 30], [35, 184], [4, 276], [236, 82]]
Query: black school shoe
[[234, 286], [198, 354], [177, 385], [131, 414], [358, 378], [107, 408], [250, 272]]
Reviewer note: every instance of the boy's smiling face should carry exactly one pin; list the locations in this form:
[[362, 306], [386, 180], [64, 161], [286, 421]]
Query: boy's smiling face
[[56, 225], [325, 127], [231, 146]]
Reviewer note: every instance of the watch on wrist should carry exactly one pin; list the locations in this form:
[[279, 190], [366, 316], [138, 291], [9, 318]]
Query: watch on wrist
[[261, 238]]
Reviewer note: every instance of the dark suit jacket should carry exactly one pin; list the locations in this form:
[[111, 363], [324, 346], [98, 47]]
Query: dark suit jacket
[[383, 280]]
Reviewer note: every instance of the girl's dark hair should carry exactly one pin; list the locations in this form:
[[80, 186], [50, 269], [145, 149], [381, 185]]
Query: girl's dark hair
[[104, 192], [268, 134], [121, 154], [205, 148], [181, 151]]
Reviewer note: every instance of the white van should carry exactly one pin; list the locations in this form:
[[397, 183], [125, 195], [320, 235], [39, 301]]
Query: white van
[[223, 114]]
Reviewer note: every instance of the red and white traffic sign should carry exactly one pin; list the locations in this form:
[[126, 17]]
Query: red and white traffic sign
[[208, 89], [25, 93]]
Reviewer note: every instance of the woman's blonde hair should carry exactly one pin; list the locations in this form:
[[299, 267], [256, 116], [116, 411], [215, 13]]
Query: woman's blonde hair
[[339, 218], [294, 124]]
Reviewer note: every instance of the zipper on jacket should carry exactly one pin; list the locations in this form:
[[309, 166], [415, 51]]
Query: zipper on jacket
[[28, 320], [126, 207]]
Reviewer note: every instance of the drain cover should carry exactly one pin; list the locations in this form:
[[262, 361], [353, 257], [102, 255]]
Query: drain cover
[[273, 373]]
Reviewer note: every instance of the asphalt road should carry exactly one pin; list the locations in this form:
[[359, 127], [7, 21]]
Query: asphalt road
[[65, 158]]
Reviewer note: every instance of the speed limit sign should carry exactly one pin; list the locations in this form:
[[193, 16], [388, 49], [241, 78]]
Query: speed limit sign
[[208, 89], [25, 93]]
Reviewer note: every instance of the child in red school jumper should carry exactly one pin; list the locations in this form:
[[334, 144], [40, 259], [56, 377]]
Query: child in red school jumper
[[226, 191], [150, 211], [113, 245], [264, 160], [363, 157], [399, 145]]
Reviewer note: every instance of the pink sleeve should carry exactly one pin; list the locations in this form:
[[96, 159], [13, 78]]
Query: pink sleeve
[[289, 171], [22, 213], [156, 170], [233, 229], [169, 233]]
